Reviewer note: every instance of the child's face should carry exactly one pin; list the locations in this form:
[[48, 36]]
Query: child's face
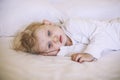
[[50, 39]]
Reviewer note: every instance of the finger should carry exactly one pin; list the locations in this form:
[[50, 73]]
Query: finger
[[81, 60], [78, 58], [73, 57], [89, 59]]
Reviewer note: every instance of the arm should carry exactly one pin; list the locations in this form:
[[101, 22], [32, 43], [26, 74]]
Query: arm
[[95, 48], [76, 54]]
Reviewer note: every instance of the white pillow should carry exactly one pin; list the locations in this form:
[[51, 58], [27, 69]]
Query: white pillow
[[93, 9], [15, 14]]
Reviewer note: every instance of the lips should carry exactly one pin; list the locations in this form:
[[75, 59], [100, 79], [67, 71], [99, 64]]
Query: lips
[[60, 39]]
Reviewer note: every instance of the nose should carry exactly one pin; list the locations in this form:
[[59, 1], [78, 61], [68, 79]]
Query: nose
[[55, 39]]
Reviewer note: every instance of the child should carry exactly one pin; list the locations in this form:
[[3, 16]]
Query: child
[[83, 40]]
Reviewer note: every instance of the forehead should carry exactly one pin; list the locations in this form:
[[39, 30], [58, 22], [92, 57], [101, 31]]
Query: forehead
[[42, 39]]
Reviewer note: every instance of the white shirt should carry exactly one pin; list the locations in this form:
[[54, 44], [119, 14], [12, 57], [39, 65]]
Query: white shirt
[[90, 36]]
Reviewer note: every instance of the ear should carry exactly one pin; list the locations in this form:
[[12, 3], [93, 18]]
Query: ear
[[48, 22]]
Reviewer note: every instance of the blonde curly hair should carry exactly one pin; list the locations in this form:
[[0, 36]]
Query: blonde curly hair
[[26, 40]]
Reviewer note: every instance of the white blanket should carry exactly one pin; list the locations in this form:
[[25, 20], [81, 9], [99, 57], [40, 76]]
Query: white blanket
[[22, 66]]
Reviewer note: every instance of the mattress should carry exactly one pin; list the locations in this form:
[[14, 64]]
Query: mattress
[[23, 66]]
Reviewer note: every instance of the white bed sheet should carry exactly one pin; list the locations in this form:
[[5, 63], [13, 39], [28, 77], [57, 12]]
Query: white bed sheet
[[22, 66]]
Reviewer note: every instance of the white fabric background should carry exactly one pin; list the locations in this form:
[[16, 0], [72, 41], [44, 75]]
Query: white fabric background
[[95, 9], [16, 14]]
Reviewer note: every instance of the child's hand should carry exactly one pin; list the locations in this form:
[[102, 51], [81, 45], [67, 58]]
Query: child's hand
[[82, 57]]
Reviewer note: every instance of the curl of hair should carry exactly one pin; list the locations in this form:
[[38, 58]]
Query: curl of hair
[[26, 40]]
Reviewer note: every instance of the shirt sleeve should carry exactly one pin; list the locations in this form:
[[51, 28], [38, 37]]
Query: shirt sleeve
[[94, 50], [97, 45], [69, 50]]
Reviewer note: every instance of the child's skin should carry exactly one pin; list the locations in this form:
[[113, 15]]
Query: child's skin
[[51, 37]]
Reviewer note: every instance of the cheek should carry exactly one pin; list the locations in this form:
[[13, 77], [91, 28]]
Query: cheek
[[57, 46], [53, 53]]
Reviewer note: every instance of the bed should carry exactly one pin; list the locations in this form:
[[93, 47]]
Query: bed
[[23, 66]]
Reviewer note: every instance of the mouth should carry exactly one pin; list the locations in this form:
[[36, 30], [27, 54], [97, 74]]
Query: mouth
[[60, 39]]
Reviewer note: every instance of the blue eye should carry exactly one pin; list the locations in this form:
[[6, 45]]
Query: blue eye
[[49, 33], [49, 45]]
